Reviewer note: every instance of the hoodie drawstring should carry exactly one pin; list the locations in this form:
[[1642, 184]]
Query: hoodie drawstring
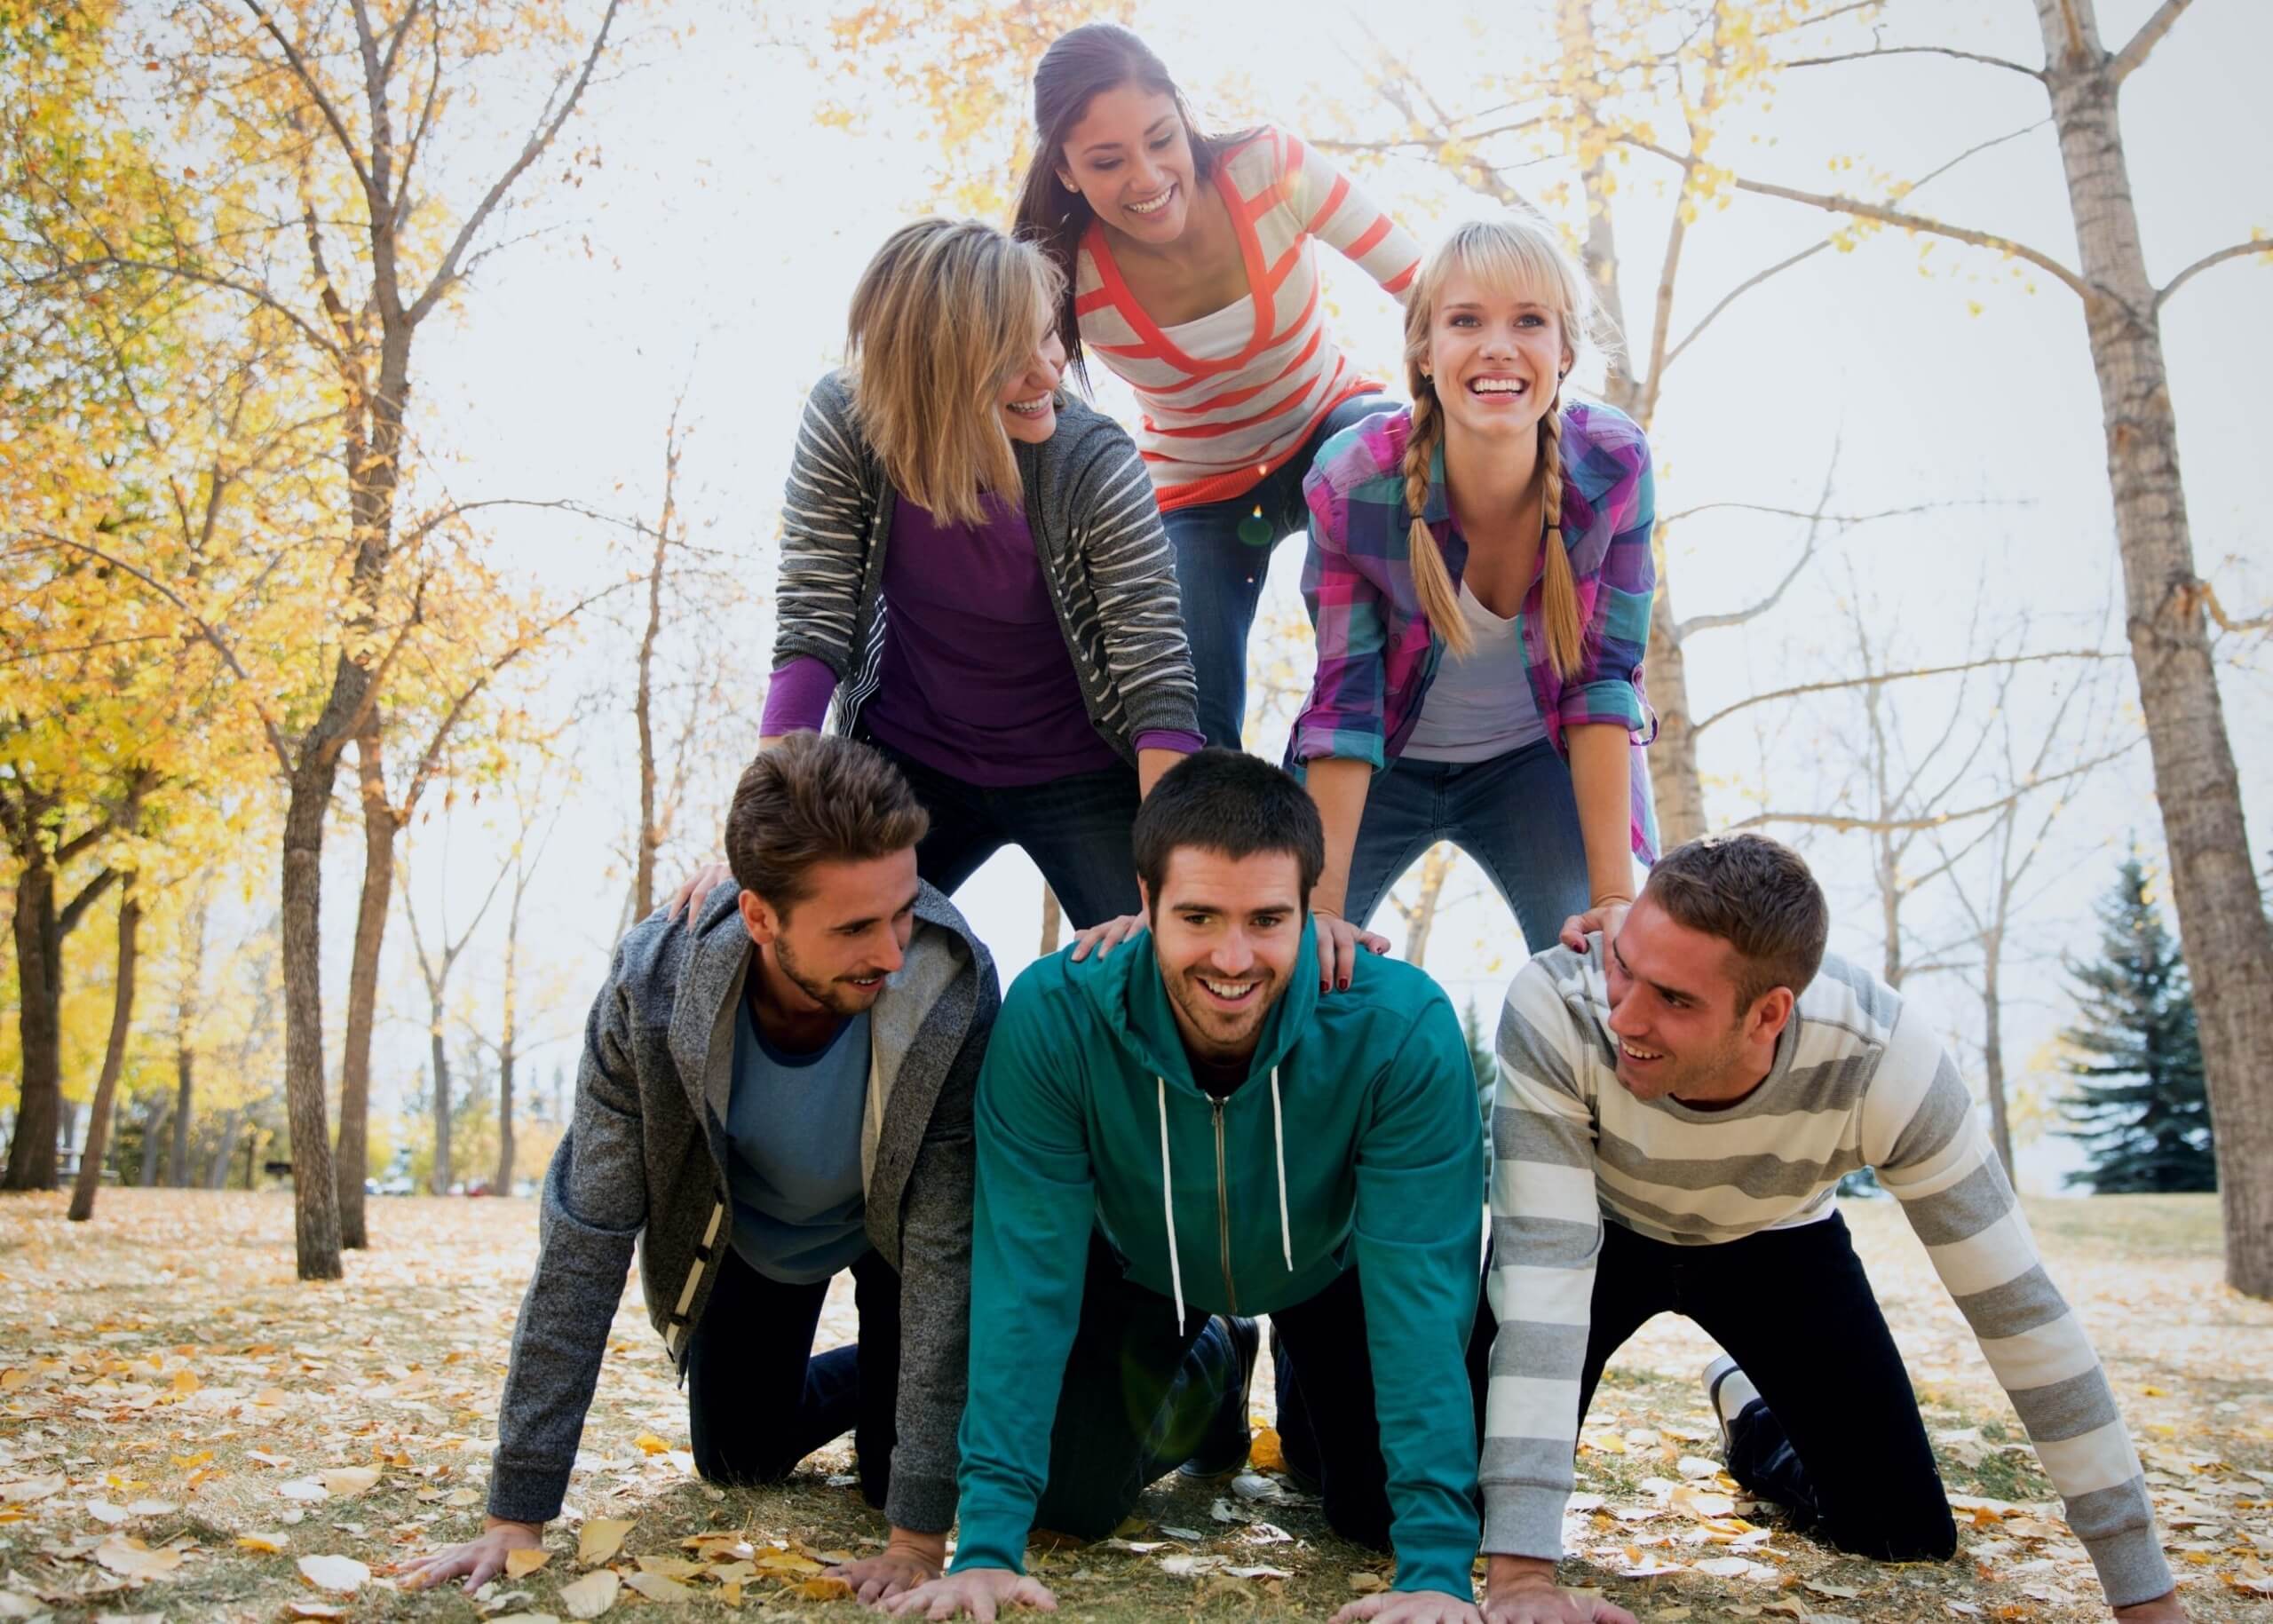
[[1168, 1207], [1279, 1139]]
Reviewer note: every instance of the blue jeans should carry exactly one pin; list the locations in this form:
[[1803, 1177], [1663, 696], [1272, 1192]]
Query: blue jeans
[[1514, 815], [1075, 829], [1223, 552]]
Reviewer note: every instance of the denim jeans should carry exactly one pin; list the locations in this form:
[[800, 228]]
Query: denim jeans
[[1835, 1438], [1075, 829], [1223, 552], [1515, 814], [759, 1400]]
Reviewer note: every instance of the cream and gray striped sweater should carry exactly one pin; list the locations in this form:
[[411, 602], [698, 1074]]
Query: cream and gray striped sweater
[[1860, 1080], [1095, 524]]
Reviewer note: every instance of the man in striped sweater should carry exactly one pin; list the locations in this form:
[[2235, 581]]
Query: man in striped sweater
[[1674, 1110]]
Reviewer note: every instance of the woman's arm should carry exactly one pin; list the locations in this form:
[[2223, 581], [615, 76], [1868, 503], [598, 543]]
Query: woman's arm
[[1339, 213], [826, 506], [1601, 769]]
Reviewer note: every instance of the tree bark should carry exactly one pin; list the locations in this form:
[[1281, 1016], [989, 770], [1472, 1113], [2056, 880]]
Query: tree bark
[[186, 1014], [122, 1018], [1677, 792], [39, 1027], [438, 1179], [1993, 1049], [380, 826], [1421, 916], [2222, 920], [1053, 920], [315, 1198], [224, 1152], [162, 1109], [507, 1038]]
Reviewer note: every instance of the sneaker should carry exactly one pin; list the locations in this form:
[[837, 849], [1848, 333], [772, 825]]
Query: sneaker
[[1731, 1393], [1222, 1447]]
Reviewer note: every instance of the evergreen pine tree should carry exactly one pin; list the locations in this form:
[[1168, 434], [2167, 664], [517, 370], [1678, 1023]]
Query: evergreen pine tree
[[2139, 1107]]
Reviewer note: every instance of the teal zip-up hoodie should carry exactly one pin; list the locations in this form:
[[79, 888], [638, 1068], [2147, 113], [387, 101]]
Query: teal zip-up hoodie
[[1373, 1128]]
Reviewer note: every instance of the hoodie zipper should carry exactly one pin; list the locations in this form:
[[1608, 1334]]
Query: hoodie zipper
[[1223, 1210]]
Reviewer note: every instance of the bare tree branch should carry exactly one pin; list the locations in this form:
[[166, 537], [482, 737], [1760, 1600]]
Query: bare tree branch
[[2128, 61], [1896, 50], [1835, 684], [1684, 629], [306, 76], [2255, 245], [1836, 203], [548, 126], [1738, 292]]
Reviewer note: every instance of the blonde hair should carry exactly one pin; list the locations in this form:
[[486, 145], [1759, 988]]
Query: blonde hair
[[1518, 253], [945, 315]]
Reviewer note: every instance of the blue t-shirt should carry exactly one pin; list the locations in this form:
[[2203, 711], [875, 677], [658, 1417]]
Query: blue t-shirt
[[794, 1121]]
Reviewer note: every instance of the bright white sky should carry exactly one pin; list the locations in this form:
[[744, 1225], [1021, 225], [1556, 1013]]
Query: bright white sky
[[726, 220]]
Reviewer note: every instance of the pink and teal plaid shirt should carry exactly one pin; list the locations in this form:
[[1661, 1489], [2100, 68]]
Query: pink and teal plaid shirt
[[1377, 654]]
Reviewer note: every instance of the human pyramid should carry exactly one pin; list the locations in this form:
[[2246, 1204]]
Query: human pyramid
[[1064, 1210]]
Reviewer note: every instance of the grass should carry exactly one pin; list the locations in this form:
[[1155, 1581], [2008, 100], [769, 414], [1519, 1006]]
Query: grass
[[163, 1364]]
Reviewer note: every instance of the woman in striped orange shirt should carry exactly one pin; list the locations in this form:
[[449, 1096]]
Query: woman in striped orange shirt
[[1190, 270]]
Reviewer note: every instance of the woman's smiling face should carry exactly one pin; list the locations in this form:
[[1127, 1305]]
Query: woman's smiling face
[[1496, 355], [1130, 156]]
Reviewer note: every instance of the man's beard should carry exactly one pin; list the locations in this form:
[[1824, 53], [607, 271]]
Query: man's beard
[[834, 996], [1210, 1023]]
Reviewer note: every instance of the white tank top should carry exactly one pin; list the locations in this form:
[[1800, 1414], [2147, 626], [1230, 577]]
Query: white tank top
[[1480, 706]]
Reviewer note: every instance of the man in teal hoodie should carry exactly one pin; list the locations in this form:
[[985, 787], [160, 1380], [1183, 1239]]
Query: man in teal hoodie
[[1184, 1129]]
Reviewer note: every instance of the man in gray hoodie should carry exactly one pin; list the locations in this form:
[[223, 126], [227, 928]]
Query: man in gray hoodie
[[774, 1088]]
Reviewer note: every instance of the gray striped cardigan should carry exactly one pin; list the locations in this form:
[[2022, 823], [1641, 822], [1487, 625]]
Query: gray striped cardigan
[[1097, 527]]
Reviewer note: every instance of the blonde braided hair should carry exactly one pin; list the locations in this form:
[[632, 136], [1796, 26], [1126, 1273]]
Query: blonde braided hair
[[1512, 251]]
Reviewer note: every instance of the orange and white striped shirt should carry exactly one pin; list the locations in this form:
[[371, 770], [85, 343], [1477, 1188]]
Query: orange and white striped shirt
[[1229, 398]]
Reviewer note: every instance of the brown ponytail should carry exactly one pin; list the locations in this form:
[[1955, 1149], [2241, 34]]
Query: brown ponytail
[[1558, 593], [1432, 582]]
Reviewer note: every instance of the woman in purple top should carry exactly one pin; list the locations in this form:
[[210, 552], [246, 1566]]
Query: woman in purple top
[[974, 577]]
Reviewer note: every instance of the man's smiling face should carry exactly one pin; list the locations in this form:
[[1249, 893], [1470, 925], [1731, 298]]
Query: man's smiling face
[[1227, 932]]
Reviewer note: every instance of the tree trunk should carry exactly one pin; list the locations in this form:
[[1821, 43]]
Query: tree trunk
[[224, 1152], [1678, 793], [1993, 1049], [506, 1040], [39, 1028], [1420, 918], [315, 1198], [379, 828], [2222, 920], [438, 1178], [185, 1013], [152, 1142], [121, 1017], [1053, 920], [643, 885]]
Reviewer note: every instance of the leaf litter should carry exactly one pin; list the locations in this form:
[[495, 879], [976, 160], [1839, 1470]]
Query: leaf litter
[[213, 1419]]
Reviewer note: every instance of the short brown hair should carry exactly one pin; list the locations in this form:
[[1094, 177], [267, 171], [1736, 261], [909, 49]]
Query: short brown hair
[[1754, 894], [816, 799], [946, 314], [1229, 802]]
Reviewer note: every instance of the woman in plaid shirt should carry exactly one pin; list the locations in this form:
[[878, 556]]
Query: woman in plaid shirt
[[1479, 575]]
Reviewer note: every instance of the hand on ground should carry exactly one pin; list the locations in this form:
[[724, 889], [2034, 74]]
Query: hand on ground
[[696, 886], [478, 1560], [893, 1571], [2162, 1610], [1338, 941], [985, 1593], [1411, 1607]]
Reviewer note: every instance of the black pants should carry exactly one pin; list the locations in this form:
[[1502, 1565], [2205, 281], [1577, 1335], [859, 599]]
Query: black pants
[[759, 1400], [1322, 1366], [1836, 1439], [1137, 1395], [1075, 829]]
